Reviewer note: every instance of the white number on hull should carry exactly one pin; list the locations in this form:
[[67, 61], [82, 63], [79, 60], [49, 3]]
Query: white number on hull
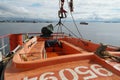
[[62, 75], [95, 71], [34, 78], [45, 77], [92, 75], [98, 70]]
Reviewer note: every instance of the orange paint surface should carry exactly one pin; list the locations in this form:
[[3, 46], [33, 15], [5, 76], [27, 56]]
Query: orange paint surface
[[74, 60]]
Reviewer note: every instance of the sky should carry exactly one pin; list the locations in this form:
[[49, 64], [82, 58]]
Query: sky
[[48, 9]]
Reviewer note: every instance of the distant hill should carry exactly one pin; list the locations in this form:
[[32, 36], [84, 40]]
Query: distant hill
[[11, 19]]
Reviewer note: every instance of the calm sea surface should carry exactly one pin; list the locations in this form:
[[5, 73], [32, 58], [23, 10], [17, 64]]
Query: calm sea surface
[[108, 33]]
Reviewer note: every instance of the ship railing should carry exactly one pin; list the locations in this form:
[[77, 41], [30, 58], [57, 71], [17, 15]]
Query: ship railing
[[16, 49], [55, 35], [4, 44]]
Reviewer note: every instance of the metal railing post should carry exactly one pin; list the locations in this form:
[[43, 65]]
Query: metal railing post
[[3, 46]]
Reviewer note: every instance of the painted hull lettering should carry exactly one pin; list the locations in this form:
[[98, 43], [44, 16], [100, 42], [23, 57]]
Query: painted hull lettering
[[82, 72]]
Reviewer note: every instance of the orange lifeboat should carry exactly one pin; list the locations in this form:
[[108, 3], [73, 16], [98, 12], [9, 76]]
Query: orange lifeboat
[[57, 56], [68, 59]]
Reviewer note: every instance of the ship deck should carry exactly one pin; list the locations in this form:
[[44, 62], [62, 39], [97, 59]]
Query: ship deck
[[78, 67], [69, 62]]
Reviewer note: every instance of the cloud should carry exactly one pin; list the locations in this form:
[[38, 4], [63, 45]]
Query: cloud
[[29, 8], [47, 9], [35, 5], [11, 10], [103, 9]]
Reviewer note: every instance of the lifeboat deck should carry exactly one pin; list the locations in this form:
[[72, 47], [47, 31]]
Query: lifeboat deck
[[77, 67], [49, 63]]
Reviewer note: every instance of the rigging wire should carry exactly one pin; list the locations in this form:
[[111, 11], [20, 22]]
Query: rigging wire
[[74, 21], [70, 31], [59, 29], [59, 24]]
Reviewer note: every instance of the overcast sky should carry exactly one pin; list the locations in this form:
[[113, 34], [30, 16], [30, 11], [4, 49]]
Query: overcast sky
[[47, 9]]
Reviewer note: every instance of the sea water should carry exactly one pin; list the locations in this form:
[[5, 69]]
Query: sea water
[[98, 32]]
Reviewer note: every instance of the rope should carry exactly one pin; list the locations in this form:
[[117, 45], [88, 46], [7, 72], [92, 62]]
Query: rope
[[59, 23], [70, 31], [102, 53], [74, 22]]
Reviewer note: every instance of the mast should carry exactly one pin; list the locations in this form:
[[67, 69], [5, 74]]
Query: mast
[[62, 14], [71, 5]]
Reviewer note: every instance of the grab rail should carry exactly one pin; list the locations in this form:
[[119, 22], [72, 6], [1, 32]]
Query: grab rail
[[4, 44]]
